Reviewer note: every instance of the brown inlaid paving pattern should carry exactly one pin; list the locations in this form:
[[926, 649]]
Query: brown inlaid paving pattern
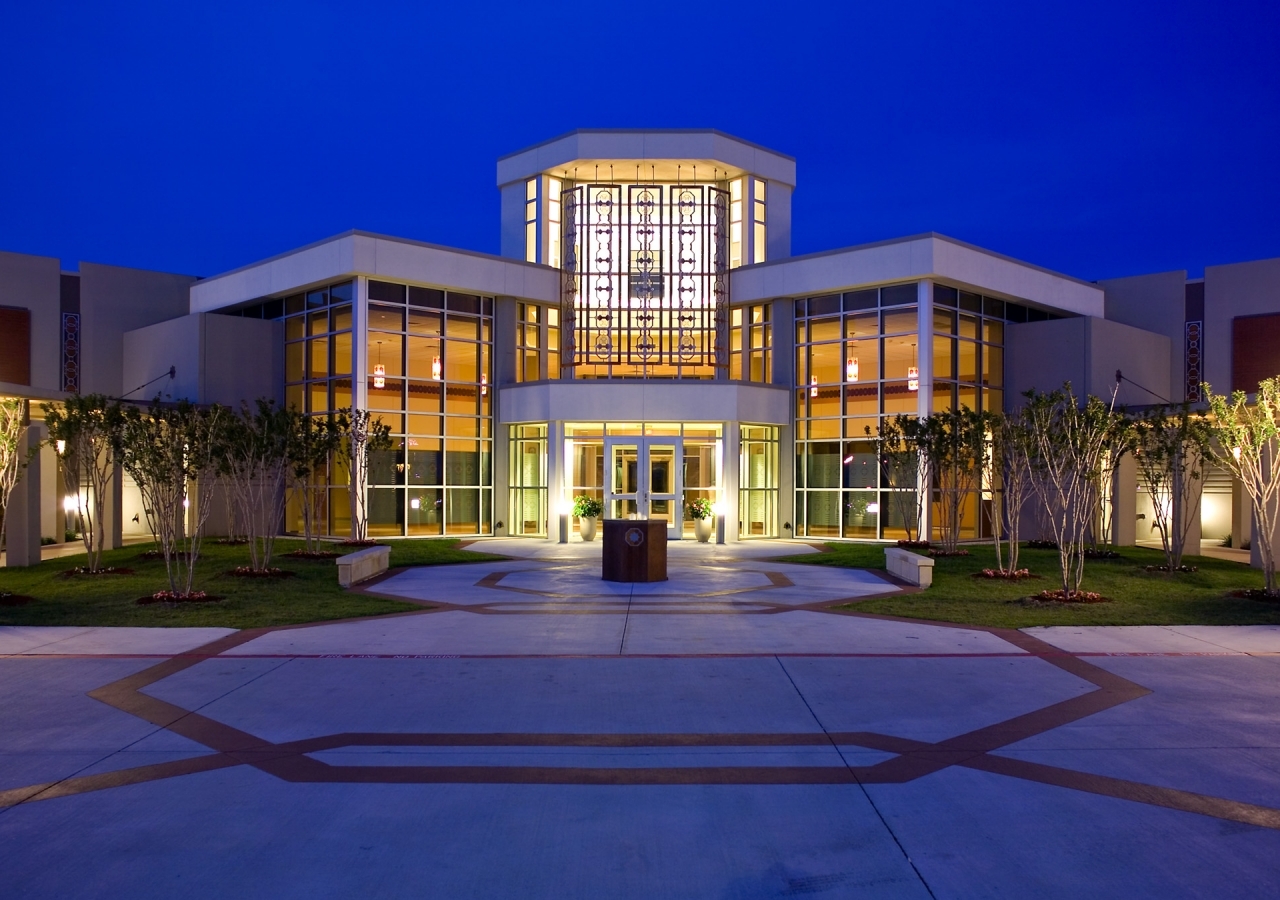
[[913, 759]]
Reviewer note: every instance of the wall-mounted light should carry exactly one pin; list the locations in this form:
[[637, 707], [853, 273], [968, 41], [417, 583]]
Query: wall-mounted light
[[813, 386], [873, 508], [70, 504], [60, 446], [851, 369], [415, 503], [435, 368], [1235, 451]]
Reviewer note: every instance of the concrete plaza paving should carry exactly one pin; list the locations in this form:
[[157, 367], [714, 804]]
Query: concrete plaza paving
[[535, 732]]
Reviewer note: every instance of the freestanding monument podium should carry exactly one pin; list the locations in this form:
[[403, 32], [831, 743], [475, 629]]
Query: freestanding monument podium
[[634, 550]]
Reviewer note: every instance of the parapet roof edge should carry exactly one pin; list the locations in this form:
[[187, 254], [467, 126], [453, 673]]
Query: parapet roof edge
[[920, 237], [356, 232], [715, 131]]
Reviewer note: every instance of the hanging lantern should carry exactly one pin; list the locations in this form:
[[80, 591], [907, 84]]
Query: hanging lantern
[[851, 369], [435, 367], [813, 386], [913, 378], [379, 376], [484, 385]]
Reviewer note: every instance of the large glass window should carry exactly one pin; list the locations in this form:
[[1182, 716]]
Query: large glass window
[[537, 342], [751, 343], [858, 361], [758, 481], [429, 371]]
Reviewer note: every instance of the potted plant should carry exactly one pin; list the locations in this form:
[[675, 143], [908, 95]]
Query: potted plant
[[701, 513], [588, 510]]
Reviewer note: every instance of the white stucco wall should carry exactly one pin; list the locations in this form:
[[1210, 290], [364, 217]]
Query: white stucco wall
[[908, 259], [358, 253]]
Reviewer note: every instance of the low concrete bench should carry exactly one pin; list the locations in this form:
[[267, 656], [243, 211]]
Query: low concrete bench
[[363, 564], [910, 567]]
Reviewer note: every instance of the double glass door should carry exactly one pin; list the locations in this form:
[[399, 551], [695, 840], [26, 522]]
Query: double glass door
[[644, 480]]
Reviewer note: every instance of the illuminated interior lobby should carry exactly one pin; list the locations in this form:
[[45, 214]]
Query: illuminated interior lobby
[[646, 338]]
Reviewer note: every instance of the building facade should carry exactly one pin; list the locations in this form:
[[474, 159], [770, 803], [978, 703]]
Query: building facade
[[645, 338]]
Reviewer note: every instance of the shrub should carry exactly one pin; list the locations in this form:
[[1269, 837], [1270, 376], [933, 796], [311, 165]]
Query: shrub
[[585, 507]]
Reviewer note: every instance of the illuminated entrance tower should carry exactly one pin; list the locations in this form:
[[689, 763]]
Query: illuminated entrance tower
[[640, 382]]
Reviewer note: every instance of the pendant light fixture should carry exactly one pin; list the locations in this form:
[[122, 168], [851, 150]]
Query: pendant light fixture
[[913, 373], [379, 371], [813, 386], [851, 369], [435, 368]]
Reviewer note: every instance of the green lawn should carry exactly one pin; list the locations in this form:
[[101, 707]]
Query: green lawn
[[1138, 597], [310, 595]]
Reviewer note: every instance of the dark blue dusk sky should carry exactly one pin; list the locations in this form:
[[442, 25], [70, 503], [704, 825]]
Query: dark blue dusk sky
[[1095, 138]]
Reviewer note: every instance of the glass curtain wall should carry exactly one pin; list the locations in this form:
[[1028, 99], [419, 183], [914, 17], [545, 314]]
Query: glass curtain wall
[[429, 372], [528, 479], [537, 342], [758, 481], [857, 362], [318, 359], [968, 371], [751, 343]]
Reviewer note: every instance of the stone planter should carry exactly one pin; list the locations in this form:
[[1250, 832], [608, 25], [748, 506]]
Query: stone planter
[[702, 529], [587, 527]]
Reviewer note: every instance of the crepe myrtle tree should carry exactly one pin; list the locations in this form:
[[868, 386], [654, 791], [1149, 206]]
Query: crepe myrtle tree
[[1247, 444], [313, 442], [1068, 442], [1009, 475], [899, 460], [255, 465], [360, 436], [13, 428], [85, 430], [168, 449], [953, 446], [1171, 450]]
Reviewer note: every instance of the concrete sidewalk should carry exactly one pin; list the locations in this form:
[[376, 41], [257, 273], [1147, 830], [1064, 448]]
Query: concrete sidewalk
[[540, 734]]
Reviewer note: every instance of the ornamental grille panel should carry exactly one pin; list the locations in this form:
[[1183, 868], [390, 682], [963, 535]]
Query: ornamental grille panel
[[645, 279]]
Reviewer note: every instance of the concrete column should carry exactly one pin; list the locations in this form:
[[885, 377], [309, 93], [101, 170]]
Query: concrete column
[[1191, 519], [50, 496], [1124, 503], [924, 402], [558, 479], [1241, 516], [22, 531], [732, 432], [783, 316]]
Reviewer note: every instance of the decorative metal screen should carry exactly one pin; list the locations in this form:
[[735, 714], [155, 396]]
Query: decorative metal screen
[[1194, 342], [71, 352], [646, 275]]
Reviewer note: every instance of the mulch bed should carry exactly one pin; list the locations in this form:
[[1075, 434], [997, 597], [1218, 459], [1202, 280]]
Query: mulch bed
[[1042, 545], [1059, 598], [1102, 554], [169, 598], [151, 554], [914, 545], [7, 599], [311, 554], [232, 542], [1166, 569], [943, 554], [365, 543], [1006, 576], [1257, 594], [273, 572], [105, 570]]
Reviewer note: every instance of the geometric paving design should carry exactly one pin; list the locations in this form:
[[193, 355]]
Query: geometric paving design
[[294, 761]]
